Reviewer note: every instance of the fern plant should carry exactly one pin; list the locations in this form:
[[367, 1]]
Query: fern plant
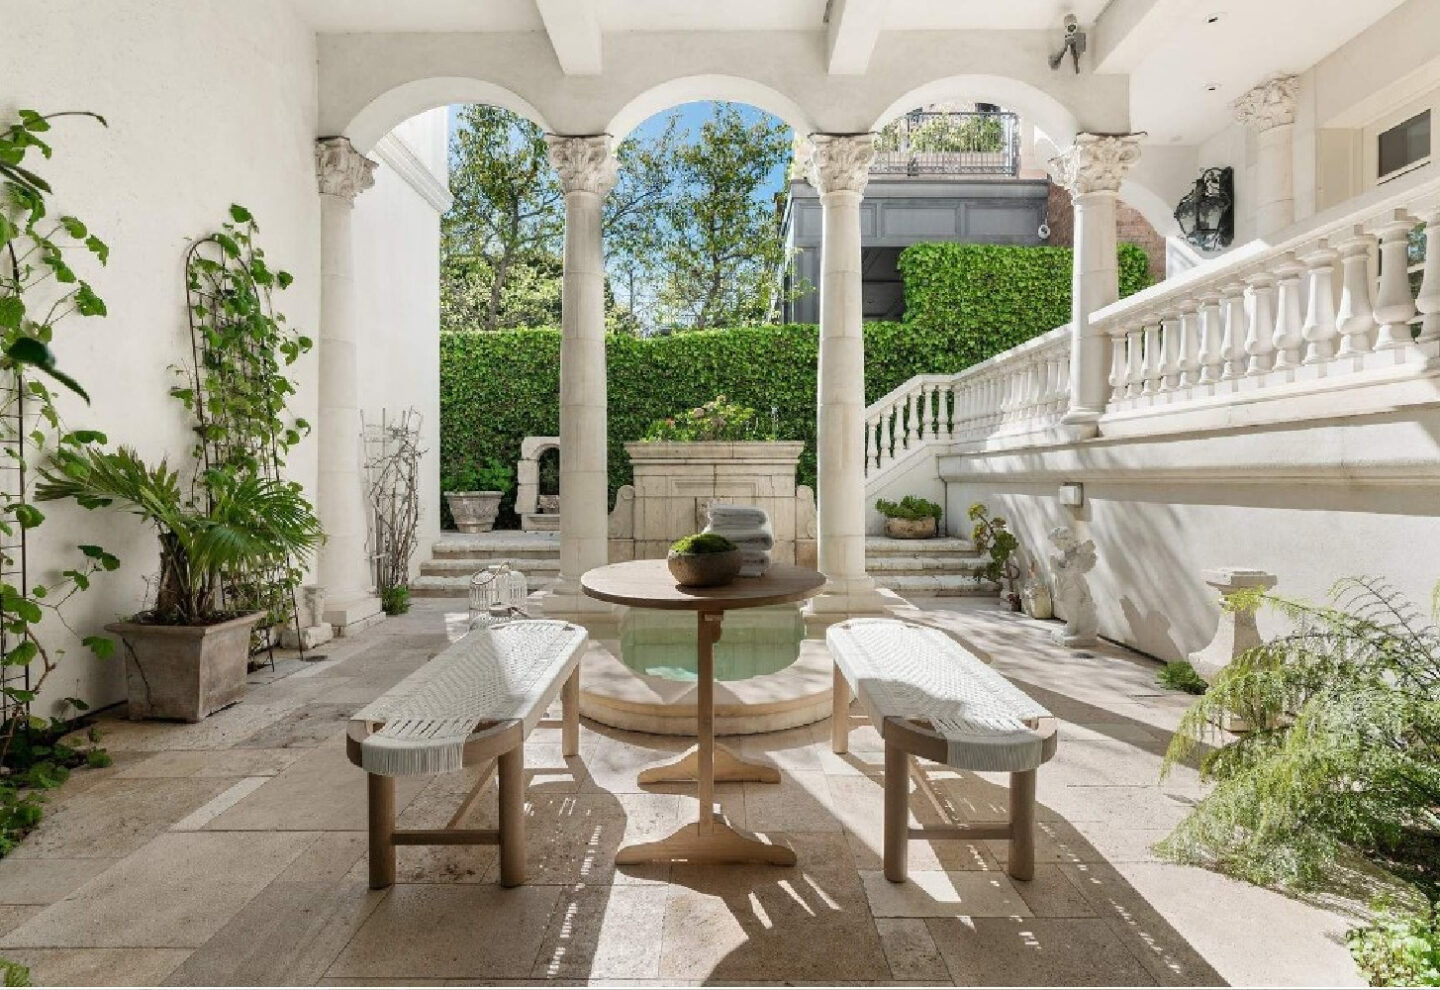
[[1344, 751]]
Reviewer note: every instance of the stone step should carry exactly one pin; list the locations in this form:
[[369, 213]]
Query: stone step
[[529, 566], [458, 586], [938, 585], [971, 564], [496, 546], [940, 546]]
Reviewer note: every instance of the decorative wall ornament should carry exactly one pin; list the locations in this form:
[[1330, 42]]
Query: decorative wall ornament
[[1070, 562], [1095, 162], [839, 162], [585, 164], [1206, 214], [341, 170], [1269, 104]]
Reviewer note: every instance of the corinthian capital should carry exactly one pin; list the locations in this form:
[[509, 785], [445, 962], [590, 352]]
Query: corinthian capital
[[839, 162], [584, 164], [1269, 104], [1095, 162], [341, 170]]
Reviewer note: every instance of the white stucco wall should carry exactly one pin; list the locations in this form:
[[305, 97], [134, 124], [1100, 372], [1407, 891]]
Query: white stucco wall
[[195, 124], [397, 277]]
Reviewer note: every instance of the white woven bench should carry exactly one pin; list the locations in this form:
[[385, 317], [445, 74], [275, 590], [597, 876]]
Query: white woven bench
[[476, 701], [929, 698]]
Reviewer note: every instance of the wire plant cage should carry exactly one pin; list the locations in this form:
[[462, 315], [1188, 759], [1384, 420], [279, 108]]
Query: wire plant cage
[[392, 478]]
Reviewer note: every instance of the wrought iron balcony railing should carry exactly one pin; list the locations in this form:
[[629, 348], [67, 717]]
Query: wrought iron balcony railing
[[949, 143]]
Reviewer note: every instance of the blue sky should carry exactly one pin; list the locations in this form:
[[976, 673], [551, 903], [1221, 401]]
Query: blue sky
[[692, 115]]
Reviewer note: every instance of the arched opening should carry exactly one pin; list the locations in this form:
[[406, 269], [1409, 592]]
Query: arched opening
[[382, 114], [704, 88]]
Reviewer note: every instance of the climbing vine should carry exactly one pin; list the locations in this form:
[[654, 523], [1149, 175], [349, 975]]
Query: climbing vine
[[237, 388], [39, 289]]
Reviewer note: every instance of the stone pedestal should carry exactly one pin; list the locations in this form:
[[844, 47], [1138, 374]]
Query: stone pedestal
[[310, 628], [344, 569], [1236, 631], [1091, 171]]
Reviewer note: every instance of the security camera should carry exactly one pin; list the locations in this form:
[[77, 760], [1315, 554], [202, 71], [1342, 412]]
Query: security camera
[[1074, 43]]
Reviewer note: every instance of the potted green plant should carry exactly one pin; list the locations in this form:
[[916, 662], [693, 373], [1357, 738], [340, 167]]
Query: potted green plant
[[187, 656], [474, 494], [912, 518], [703, 560]]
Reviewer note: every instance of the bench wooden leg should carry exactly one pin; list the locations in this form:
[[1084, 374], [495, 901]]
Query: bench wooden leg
[[840, 714], [380, 798], [570, 714], [897, 813], [512, 817], [1021, 864]]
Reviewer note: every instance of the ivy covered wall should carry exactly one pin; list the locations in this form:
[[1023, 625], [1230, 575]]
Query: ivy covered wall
[[964, 304]]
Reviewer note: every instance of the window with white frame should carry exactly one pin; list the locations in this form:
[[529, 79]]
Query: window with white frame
[[1403, 146]]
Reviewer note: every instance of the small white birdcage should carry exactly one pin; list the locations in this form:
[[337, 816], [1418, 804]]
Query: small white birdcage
[[498, 585]]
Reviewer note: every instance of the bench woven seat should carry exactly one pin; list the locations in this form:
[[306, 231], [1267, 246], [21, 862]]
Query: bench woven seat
[[473, 703], [930, 698]]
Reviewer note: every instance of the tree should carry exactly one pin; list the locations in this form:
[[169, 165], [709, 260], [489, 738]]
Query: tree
[[719, 252], [647, 174], [501, 240]]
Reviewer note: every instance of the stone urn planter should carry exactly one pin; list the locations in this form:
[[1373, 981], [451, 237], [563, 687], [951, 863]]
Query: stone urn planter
[[548, 504], [184, 672], [704, 570], [474, 512], [910, 529]]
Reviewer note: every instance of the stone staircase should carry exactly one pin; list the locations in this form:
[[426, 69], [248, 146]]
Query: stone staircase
[[943, 567], [455, 557]]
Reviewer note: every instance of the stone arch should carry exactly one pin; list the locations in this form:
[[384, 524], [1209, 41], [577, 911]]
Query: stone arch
[[378, 117], [527, 473], [1150, 205], [691, 89], [1032, 103]]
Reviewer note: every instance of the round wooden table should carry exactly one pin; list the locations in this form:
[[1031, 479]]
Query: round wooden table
[[649, 584]]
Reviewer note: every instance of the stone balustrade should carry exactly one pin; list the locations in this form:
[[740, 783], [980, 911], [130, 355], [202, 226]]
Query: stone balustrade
[[1024, 390]]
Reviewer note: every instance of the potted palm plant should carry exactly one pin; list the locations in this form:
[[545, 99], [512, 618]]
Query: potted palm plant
[[186, 657]]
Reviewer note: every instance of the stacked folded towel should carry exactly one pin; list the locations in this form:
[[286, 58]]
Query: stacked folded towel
[[748, 527]]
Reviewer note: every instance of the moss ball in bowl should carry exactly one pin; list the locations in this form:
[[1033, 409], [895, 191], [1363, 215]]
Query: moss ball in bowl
[[703, 560]]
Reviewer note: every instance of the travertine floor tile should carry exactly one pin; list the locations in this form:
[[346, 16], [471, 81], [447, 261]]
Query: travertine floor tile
[[1035, 952], [44, 881], [944, 894], [208, 763], [911, 950], [98, 967], [604, 933]]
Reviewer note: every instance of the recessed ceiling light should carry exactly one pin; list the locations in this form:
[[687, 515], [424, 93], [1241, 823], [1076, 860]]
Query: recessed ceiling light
[[1212, 87], [1213, 18]]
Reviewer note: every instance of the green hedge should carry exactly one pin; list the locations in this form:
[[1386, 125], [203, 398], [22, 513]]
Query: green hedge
[[498, 387], [993, 297]]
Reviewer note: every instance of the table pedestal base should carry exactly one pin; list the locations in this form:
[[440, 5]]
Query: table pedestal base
[[715, 841], [728, 768]]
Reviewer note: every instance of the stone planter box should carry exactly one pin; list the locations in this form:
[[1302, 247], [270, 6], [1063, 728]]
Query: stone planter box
[[910, 529], [474, 512], [676, 482], [184, 672]]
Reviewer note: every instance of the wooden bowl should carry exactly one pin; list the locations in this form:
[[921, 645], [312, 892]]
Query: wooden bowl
[[704, 570]]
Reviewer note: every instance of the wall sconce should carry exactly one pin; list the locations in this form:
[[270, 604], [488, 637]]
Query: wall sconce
[[1207, 213], [1072, 494]]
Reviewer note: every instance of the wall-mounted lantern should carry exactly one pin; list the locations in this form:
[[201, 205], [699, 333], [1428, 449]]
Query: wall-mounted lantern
[[1207, 213]]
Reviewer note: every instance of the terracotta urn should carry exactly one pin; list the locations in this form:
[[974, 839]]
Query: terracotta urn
[[704, 570]]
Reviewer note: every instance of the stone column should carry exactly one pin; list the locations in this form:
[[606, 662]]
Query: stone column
[[344, 569], [1092, 170], [587, 173], [839, 167], [1270, 109]]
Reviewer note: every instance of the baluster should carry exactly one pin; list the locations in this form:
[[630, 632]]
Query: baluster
[[1062, 386], [1150, 367], [909, 416], [869, 439], [1356, 317], [1287, 339], [1394, 307], [1134, 355], [1210, 358], [1232, 340], [1428, 301], [1059, 403], [935, 411], [1319, 330], [1170, 352], [1260, 332], [1119, 370], [1189, 343]]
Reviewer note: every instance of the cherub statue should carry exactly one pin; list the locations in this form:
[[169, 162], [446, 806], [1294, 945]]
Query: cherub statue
[[1070, 562]]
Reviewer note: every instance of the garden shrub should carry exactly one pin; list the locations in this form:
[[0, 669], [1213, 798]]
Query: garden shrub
[[987, 298]]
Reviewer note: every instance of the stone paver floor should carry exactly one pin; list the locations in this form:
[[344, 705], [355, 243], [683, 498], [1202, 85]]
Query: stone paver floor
[[232, 851]]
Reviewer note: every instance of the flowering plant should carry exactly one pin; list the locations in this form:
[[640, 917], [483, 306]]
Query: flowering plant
[[718, 419]]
